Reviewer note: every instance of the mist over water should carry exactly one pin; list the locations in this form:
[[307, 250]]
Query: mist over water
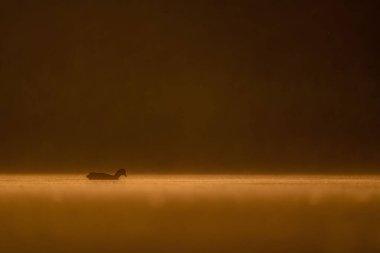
[[190, 213], [243, 86]]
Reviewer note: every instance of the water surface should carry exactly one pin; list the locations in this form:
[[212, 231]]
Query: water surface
[[190, 213]]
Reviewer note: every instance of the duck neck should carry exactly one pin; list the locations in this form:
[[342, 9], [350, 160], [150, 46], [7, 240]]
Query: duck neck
[[117, 174]]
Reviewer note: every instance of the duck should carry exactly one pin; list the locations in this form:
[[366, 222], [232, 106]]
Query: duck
[[105, 176]]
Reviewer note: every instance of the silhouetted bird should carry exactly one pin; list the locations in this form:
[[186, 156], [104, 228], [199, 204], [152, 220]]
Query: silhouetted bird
[[104, 176]]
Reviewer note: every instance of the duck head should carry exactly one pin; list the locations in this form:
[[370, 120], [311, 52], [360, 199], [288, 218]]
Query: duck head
[[121, 172]]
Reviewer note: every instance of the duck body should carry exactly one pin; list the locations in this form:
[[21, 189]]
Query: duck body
[[105, 176]]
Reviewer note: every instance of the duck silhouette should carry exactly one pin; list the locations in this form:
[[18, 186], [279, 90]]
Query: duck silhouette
[[104, 176]]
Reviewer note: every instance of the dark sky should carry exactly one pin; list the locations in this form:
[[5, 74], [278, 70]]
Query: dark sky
[[184, 86]]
